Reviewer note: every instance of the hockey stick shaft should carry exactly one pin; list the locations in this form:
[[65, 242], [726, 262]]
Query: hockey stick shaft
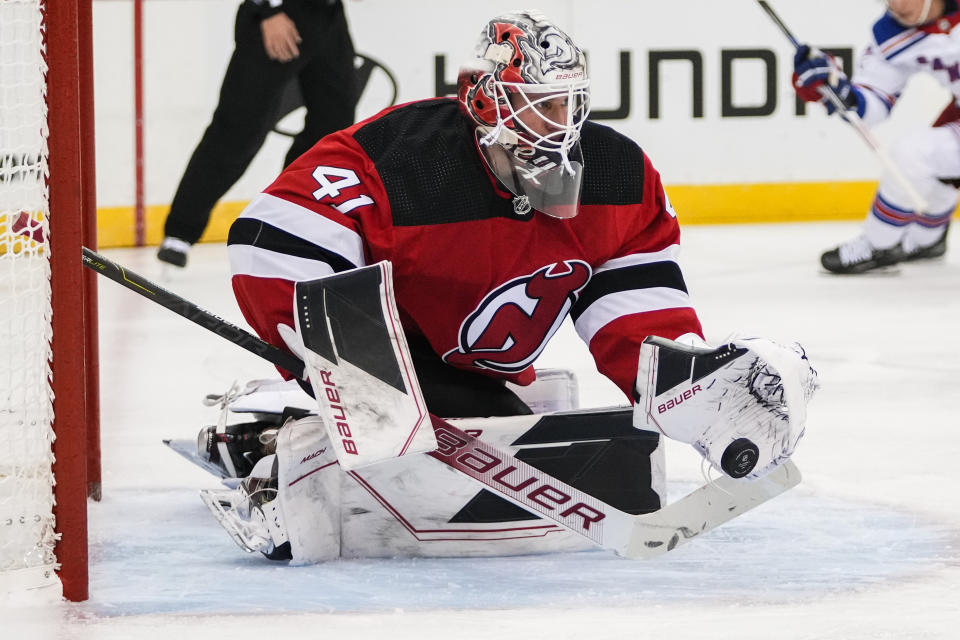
[[630, 536], [192, 312], [918, 202], [777, 21]]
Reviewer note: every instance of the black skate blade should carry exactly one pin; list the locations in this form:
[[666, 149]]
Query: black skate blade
[[188, 449], [889, 271]]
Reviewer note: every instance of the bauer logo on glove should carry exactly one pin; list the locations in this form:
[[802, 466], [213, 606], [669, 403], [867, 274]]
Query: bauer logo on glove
[[742, 405]]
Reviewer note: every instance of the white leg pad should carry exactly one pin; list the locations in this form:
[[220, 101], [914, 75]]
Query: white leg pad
[[309, 490]]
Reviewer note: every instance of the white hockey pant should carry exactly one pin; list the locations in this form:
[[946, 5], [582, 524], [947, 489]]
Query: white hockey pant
[[924, 156]]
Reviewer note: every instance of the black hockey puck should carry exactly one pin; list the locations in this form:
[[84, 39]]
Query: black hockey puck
[[739, 458]]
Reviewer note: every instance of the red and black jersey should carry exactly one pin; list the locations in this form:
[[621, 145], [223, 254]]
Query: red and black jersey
[[486, 286]]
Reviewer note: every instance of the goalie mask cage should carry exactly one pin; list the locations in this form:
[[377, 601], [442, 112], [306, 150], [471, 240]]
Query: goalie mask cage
[[49, 458]]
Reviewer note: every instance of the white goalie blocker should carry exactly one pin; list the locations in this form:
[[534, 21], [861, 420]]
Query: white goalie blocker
[[356, 356]]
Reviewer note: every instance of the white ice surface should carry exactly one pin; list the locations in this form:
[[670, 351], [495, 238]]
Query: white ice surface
[[867, 547]]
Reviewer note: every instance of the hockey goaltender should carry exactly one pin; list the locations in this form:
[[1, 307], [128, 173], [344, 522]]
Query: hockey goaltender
[[418, 263]]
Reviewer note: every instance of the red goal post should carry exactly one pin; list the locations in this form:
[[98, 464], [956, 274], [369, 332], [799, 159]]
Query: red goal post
[[49, 419]]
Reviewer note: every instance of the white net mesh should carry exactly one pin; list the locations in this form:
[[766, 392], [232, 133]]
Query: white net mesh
[[26, 401]]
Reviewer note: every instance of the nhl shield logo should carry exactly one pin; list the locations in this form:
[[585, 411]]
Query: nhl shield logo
[[522, 207]]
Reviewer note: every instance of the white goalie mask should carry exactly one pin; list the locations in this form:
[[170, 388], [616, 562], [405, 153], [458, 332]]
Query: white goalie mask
[[527, 91]]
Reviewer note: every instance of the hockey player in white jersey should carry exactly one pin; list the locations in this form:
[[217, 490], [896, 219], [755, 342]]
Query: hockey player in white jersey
[[914, 36]]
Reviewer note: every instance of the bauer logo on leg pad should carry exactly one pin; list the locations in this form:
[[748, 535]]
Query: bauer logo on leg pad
[[337, 412]]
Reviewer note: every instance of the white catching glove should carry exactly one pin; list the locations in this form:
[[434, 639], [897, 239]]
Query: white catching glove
[[743, 405]]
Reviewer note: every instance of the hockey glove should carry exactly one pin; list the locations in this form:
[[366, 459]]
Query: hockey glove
[[742, 405], [814, 71]]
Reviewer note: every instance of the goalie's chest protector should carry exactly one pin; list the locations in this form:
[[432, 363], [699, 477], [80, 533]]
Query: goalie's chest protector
[[486, 284]]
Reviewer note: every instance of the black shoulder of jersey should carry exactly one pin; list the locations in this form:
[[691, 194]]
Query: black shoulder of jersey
[[426, 157], [613, 167]]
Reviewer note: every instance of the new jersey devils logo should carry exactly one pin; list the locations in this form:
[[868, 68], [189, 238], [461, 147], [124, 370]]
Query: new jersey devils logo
[[513, 323]]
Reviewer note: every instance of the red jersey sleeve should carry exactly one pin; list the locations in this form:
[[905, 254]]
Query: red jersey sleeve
[[639, 291], [306, 225]]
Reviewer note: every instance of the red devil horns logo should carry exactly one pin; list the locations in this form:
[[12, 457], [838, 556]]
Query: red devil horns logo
[[513, 323]]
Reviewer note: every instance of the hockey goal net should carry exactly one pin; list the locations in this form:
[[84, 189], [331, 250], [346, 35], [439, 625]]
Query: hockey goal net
[[45, 345]]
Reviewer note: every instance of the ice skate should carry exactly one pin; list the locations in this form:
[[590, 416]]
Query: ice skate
[[858, 256], [250, 513], [173, 251], [935, 250], [236, 448]]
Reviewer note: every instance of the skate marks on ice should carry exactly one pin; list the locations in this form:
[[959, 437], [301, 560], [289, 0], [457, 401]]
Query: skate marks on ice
[[159, 552]]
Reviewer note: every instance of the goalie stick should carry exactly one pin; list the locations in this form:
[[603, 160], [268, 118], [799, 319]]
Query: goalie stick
[[917, 200], [629, 536], [192, 312]]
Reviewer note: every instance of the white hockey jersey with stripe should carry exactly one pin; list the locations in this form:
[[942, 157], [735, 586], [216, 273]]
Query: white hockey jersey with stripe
[[897, 52]]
